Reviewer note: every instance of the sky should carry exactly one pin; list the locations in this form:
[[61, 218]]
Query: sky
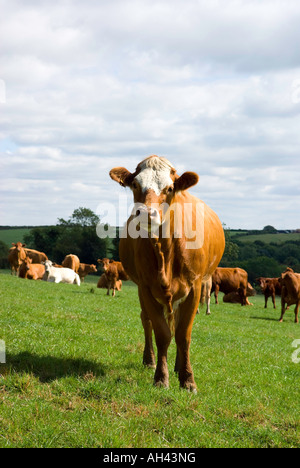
[[213, 86]]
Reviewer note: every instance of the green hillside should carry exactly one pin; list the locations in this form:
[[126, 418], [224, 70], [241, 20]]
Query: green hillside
[[13, 235], [267, 238]]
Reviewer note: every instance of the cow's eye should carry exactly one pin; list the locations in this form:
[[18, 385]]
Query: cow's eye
[[134, 185], [170, 189]]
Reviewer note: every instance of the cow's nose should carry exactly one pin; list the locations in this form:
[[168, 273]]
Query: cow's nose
[[153, 212]]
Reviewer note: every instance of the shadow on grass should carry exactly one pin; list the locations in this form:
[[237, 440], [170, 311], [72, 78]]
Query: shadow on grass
[[269, 319], [48, 368]]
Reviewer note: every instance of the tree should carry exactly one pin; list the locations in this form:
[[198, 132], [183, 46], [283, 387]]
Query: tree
[[81, 217], [77, 236], [231, 253], [269, 230]]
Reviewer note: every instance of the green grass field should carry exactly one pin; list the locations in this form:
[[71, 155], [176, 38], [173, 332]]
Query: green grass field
[[13, 235], [74, 375], [268, 238]]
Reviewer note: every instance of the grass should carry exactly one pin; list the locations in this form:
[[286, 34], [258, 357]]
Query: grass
[[74, 374]]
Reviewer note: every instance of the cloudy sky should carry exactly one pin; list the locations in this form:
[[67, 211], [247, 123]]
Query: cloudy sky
[[214, 86]]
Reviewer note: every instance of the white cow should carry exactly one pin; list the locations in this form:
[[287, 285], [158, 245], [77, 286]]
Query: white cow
[[60, 275]]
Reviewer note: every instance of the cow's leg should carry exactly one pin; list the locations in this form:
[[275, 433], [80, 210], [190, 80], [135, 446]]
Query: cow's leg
[[217, 289], [243, 295], [148, 356], [155, 312], [184, 323], [208, 302], [266, 300], [282, 309], [273, 300], [297, 312]]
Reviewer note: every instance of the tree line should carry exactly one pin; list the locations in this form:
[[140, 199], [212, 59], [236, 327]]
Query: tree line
[[260, 258], [78, 236]]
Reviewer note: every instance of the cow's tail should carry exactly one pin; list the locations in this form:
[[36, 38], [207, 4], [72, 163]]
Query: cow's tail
[[77, 280]]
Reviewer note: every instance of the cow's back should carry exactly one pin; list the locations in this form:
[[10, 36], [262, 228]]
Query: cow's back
[[71, 261]]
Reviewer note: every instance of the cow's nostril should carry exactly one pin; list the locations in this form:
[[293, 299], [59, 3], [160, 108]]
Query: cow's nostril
[[138, 212]]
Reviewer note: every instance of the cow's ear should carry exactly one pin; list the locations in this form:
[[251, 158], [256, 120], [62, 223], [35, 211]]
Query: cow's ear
[[13, 244], [187, 180], [122, 176]]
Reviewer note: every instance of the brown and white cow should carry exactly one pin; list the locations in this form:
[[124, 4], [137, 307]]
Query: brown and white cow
[[114, 272], [72, 262], [229, 280], [32, 271], [270, 287], [172, 242], [290, 292], [16, 256], [85, 269]]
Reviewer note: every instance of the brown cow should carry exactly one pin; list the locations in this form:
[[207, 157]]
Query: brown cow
[[32, 271], [234, 297], [114, 272], [103, 283], [36, 256], [171, 243], [71, 261], [229, 280], [84, 269], [290, 292], [16, 256], [269, 287]]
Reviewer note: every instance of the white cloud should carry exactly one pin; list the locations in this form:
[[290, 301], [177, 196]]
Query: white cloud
[[94, 85]]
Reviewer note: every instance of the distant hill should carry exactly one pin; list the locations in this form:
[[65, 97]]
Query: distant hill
[[278, 238]]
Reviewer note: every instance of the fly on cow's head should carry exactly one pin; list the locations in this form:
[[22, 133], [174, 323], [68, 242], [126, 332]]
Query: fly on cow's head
[[154, 184]]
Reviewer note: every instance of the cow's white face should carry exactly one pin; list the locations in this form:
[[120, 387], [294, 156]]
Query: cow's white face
[[157, 180], [154, 184]]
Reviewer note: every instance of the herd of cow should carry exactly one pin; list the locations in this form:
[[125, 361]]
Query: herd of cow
[[174, 273], [34, 265]]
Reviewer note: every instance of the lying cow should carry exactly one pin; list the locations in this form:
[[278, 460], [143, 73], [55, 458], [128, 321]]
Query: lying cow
[[270, 287], [84, 269], [290, 292], [60, 275], [32, 271], [114, 272], [234, 297], [36, 256], [229, 280]]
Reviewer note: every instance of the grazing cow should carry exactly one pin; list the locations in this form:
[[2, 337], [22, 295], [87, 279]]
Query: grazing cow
[[114, 272], [60, 275], [32, 271], [269, 287], [290, 292], [234, 297], [36, 256], [84, 269], [229, 280], [171, 243], [206, 293], [103, 283], [16, 256], [71, 261]]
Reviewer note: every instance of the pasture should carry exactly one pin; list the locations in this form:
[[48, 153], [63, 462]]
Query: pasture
[[74, 375]]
